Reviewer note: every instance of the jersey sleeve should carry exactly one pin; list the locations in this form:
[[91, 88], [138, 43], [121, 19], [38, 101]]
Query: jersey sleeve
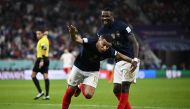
[[111, 53], [43, 46], [126, 28], [85, 40], [88, 41], [99, 33]]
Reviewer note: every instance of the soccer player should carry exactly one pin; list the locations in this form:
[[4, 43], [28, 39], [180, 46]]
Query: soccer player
[[67, 58], [86, 66], [124, 41], [42, 63]]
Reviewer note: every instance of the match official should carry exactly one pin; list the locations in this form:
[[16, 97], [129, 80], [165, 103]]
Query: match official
[[42, 63]]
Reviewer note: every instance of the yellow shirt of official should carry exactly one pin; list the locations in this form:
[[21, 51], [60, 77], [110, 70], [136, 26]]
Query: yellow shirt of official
[[43, 44]]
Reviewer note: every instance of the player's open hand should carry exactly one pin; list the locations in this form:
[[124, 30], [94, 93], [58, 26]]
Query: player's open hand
[[72, 29], [41, 64], [73, 33]]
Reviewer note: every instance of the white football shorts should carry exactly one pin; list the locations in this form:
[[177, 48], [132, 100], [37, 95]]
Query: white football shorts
[[78, 76], [110, 67], [122, 72]]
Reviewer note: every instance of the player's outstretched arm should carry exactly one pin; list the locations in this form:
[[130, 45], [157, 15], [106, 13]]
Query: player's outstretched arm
[[133, 62], [120, 56], [73, 30]]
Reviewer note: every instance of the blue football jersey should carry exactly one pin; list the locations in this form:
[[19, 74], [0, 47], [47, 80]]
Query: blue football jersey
[[118, 33], [89, 57]]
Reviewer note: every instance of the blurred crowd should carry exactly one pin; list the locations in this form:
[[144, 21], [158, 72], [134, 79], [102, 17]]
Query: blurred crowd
[[18, 19], [166, 11]]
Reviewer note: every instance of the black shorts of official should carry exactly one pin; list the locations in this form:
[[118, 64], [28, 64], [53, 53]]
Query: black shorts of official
[[44, 68]]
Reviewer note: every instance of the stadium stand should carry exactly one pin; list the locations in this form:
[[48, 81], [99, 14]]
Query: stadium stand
[[17, 24], [17, 65]]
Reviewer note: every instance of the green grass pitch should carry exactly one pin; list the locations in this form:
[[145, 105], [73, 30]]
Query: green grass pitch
[[146, 94]]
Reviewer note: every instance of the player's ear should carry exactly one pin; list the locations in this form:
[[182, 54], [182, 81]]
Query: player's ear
[[107, 43]]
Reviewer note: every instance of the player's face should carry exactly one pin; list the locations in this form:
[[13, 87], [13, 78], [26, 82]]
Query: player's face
[[102, 45], [106, 17], [39, 34]]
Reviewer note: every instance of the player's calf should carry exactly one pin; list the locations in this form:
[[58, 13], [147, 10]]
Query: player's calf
[[117, 90], [77, 92]]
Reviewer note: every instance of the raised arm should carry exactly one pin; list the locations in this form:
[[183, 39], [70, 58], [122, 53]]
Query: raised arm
[[72, 30]]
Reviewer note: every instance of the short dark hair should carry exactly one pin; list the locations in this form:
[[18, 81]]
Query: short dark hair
[[107, 9], [107, 37]]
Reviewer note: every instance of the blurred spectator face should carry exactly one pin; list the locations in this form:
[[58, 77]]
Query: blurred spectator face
[[102, 45], [66, 50], [39, 34], [106, 17]]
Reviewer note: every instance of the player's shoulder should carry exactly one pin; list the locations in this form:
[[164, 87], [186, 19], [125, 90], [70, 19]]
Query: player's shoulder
[[100, 30], [121, 23], [46, 39], [90, 40]]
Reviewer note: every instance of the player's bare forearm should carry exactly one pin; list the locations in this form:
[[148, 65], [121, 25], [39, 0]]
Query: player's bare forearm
[[123, 57], [74, 36], [136, 48], [135, 45]]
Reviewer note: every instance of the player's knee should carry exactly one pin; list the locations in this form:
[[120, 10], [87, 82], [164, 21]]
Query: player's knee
[[117, 88], [126, 86], [88, 96], [33, 75]]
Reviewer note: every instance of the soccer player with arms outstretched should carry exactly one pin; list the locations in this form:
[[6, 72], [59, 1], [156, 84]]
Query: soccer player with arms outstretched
[[42, 62], [87, 64], [123, 40]]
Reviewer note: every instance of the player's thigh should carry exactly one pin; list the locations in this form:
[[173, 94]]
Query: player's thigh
[[45, 75], [130, 76], [90, 83], [33, 74], [75, 78], [91, 80], [117, 73], [89, 90], [35, 69]]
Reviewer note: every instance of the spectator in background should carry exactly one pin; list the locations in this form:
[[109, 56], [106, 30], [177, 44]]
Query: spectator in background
[[164, 67], [19, 17], [182, 66], [67, 58]]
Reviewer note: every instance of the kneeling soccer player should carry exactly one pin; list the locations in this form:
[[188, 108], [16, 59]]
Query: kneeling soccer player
[[86, 66]]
